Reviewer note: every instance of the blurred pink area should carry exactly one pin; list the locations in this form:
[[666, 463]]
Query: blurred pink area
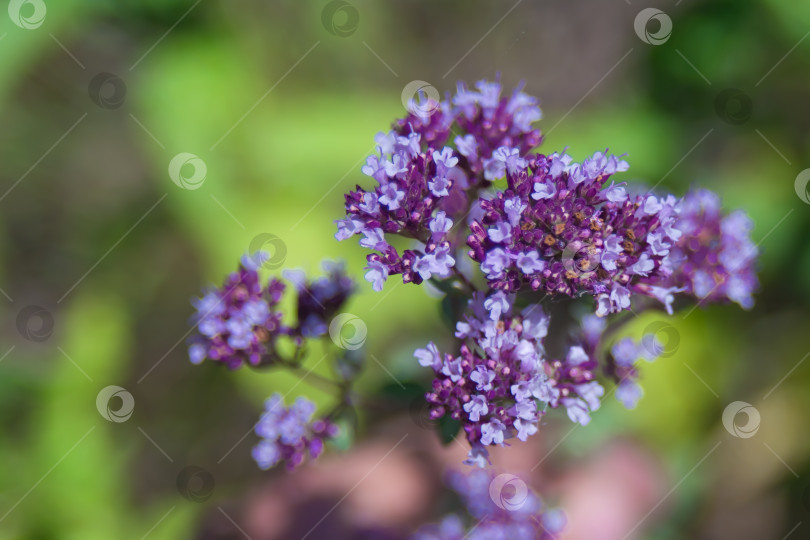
[[392, 483], [610, 495]]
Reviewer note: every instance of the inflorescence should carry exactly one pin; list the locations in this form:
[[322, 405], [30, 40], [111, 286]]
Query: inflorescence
[[289, 434], [240, 324], [508, 232], [537, 227], [502, 507]]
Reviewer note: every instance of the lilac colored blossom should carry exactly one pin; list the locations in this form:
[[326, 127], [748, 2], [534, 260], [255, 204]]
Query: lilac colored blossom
[[425, 185], [555, 228], [486, 219], [500, 232], [628, 393], [494, 122], [438, 262], [289, 434], [624, 356], [501, 382], [239, 323], [377, 274], [714, 259], [476, 407], [441, 224], [626, 352], [320, 299], [429, 356], [498, 512], [570, 235], [483, 377]]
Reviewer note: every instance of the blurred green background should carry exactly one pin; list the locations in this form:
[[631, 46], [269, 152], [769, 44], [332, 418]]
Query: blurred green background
[[282, 109]]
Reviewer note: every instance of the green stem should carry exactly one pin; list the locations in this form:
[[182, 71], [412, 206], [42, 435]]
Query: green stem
[[310, 376]]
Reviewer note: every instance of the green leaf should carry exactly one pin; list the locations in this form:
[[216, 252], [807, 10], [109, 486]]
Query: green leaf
[[448, 429]]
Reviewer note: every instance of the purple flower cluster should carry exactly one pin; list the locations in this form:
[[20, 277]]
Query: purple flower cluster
[[499, 230], [534, 225], [494, 384], [239, 323], [502, 381], [289, 434], [425, 187], [715, 258], [320, 299], [559, 228], [502, 507], [622, 366]]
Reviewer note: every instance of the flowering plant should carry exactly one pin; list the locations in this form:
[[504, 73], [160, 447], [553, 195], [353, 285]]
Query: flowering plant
[[503, 233]]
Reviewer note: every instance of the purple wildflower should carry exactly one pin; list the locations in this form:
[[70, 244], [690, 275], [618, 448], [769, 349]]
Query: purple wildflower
[[417, 191], [570, 236], [320, 299], [492, 122], [623, 359], [714, 259], [499, 506], [237, 323], [424, 185], [501, 375], [289, 434]]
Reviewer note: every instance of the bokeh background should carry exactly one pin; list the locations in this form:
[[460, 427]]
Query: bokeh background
[[281, 101]]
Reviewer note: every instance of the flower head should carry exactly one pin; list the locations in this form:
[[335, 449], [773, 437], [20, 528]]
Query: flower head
[[502, 380], [557, 228], [239, 323], [320, 299], [289, 434], [425, 183], [714, 258], [500, 506]]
